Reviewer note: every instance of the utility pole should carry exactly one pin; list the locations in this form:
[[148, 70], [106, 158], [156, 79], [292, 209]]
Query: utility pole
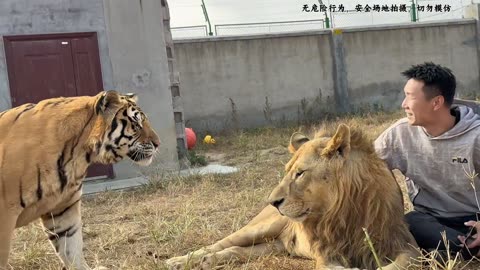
[[206, 18], [327, 20]]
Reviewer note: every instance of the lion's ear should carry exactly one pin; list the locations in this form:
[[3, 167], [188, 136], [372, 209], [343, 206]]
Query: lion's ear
[[296, 140], [340, 142]]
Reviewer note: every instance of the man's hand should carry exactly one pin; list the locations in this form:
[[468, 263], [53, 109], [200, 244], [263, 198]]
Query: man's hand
[[473, 236]]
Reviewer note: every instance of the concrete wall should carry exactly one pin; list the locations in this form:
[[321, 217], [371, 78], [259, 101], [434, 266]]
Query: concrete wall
[[133, 55], [226, 81], [358, 67], [139, 60], [375, 57]]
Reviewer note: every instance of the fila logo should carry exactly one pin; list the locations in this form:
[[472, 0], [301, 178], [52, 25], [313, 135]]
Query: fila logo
[[459, 160]]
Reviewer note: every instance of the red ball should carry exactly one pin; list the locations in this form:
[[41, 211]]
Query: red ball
[[191, 138]]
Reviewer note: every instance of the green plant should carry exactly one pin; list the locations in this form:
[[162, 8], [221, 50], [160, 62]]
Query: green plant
[[196, 159], [234, 116], [267, 111]]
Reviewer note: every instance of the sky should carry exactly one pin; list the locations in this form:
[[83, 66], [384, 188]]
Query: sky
[[189, 13]]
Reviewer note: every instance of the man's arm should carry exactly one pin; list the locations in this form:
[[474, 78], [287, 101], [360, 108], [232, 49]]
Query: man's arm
[[383, 148]]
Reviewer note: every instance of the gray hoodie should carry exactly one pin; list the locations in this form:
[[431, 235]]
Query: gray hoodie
[[436, 168]]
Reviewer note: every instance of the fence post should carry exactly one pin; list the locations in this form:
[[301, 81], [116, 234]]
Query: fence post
[[340, 80], [205, 13]]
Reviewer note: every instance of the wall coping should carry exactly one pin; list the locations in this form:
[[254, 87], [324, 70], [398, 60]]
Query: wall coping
[[350, 29]]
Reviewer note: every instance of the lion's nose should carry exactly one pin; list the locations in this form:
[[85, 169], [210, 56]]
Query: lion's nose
[[277, 203]]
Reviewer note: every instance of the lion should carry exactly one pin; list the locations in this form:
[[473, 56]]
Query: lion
[[45, 151], [334, 187]]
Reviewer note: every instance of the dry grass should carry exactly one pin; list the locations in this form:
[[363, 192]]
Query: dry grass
[[173, 215]]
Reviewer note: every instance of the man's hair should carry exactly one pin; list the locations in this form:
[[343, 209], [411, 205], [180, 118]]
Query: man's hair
[[438, 80]]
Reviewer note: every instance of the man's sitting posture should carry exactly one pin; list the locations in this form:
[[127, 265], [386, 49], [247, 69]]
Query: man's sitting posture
[[437, 148]]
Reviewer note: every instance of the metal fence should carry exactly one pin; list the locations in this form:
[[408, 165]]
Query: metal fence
[[189, 31], [425, 10], [345, 18], [267, 27], [355, 18]]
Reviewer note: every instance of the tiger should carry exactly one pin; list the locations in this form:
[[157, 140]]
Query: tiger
[[45, 151]]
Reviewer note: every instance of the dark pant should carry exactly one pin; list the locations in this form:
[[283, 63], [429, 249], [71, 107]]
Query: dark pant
[[427, 229]]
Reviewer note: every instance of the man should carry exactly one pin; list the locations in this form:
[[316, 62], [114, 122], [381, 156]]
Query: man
[[437, 148]]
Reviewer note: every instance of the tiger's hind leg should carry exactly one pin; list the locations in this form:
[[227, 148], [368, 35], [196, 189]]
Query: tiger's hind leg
[[7, 226], [64, 230]]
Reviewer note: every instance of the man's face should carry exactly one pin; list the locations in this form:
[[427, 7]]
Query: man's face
[[419, 109]]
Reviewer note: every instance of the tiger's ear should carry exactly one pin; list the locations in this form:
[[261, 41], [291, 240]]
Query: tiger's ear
[[296, 140], [132, 96], [340, 142], [107, 102]]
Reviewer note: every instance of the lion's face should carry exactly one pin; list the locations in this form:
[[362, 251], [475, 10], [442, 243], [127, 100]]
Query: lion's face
[[305, 190]]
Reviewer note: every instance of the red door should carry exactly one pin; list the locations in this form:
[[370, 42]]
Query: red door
[[45, 66]]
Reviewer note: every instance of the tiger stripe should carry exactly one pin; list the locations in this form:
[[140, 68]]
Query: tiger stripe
[[28, 107], [122, 133], [62, 177], [39, 185], [67, 232], [4, 112], [109, 147], [64, 210], [22, 202], [113, 128]]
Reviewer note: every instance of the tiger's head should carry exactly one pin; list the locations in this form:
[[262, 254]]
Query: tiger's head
[[123, 130]]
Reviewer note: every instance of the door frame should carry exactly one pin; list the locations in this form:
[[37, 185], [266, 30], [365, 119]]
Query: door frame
[[7, 41]]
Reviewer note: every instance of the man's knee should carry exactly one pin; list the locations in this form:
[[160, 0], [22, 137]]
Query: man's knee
[[418, 221], [412, 217], [425, 229]]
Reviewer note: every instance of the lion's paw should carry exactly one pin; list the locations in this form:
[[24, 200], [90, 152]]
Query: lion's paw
[[208, 262], [177, 263]]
